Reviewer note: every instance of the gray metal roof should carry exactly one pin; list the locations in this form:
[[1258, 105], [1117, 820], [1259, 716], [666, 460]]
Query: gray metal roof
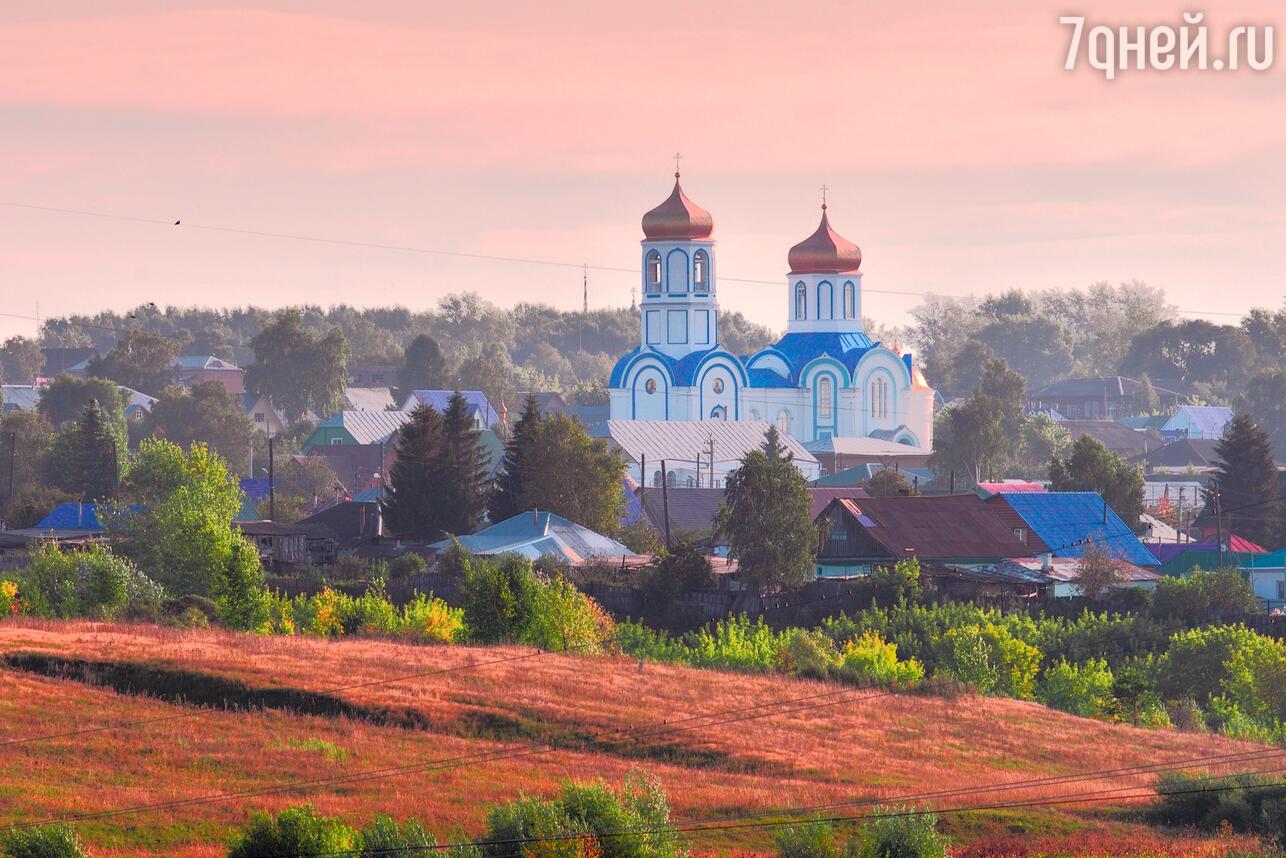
[[682, 439]]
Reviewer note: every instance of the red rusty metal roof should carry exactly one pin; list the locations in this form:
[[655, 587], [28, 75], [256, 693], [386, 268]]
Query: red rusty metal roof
[[936, 526]]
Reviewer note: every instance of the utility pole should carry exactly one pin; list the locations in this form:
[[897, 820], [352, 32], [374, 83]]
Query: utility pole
[[13, 461], [711, 451], [665, 502], [952, 489], [698, 471], [272, 484], [1218, 525]]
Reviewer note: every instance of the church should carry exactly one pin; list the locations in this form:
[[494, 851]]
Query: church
[[824, 379]]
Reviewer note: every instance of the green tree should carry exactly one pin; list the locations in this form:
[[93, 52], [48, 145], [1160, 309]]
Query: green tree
[[1265, 401], [462, 478], [1091, 467], [424, 367], [208, 415], [139, 360], [766, 518], [24, 439], [573, 475], [969, 439], [1008, 390], [412, 504], [1195, 351], [64, 399], [509, 496], [43, 841], [1037, 344], [1246, 481], [238, 589], [966, 369], [1146, 401], [900, 832], [86, 456], [294, 831], [385, 837], [180, 532], [1220, 596], [1082, 689], [1199, 662], [488, 368], [297, 369], [1043, 440], [21, 360], [887, 482]]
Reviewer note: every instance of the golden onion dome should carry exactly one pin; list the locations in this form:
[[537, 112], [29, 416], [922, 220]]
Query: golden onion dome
[[677, 219], [824, 252]]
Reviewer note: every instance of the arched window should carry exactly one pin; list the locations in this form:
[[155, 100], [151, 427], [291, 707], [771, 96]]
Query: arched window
[[672, 479], [825, 301], [718, 413], [879, 397], [701, 271], [783, 421], [850, 300], [653, 267], [656, 479], [801, 301], [825, 407]]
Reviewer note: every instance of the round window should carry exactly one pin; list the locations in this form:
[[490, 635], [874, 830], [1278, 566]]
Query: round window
[[718, 385], [650, 387]]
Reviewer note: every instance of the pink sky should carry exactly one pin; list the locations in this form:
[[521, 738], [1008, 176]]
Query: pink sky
[[959, 153]]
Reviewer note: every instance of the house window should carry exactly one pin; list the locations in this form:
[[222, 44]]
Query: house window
[[258, 416], [825, 301], [718, 413], [656, 479], [783, 421], [801, 301], [672, 479], [850, 300], [1281, 589], [1020, 533], [879, 398], [653, 267], [701, 271], [335, 442], [825, 408]]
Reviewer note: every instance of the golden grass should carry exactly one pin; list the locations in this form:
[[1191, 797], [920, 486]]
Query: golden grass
[[887, 747]]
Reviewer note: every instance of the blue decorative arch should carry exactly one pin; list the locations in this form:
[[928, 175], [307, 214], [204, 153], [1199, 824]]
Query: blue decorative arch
[[671, 268], [825, 361], [739, 381], [632, 377]]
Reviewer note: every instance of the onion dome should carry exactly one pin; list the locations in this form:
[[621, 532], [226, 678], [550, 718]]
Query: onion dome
[[825, 252], [918, 380], [677, 219]]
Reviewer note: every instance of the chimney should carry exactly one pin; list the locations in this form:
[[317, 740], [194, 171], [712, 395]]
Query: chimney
[[1046, 560]]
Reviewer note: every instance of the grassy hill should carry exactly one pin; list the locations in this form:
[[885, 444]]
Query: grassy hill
[[505, 720]]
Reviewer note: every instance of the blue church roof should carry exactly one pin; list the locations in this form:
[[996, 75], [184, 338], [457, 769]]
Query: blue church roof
[[1066, 521]]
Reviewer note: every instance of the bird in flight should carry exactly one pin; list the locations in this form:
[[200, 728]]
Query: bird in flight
[[177, 222]]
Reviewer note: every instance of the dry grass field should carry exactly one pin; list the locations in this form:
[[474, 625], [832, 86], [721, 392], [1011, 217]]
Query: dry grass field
[[459, 741]]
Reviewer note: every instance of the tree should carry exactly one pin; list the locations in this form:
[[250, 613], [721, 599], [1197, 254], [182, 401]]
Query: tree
[[58, 840], [489, 369], [424, 367], [412, 502], [1039, 345], [969, 439], [24, 439], [86, 457], [766, 518], [302, 482], [964, 373], [1091, 467], [887, 482], [239, 591], [1146, 401], [1098, 572], [297, 369], [1195, 351], [177, 521], [21, 360], [295, 831], [1009, 391], [64, 399], [509, 495], [1043, 440], [139, 360], [1265, 401], [573, 475], [1245, 478], [462, 476], [209, 415]]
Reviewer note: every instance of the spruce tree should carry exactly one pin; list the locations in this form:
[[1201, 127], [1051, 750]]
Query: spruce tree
[[462, 476], [1246, 479], [85, 456], [509, 497], [412, 505]]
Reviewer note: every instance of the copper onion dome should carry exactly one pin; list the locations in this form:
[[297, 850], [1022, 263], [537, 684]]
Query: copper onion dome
[[677, 219], [825, 252]]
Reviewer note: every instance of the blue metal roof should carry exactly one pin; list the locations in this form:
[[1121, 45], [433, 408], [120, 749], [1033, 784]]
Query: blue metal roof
[[441, 399], [1066, 521], [536, 533], [1208, 421], [74, 516]]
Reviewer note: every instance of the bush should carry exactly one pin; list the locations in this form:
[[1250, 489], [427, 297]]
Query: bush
[[900, 832], [46, 841], [406, 565], [10, 601], [372, 613], [815, 839], [385, 837], [1198, 662], [991, 659], [1248, 803], [1083, 689], [1204, 596], [294, 831], [92, 582], [429, 619], [808, 653], [1134, 698], [870, 659], [238, 589], [349, 567]]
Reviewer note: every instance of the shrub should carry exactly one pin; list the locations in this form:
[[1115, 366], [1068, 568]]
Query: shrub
[[870, 659], [385, 837], [239, 591], [1198, 662], [991, 659], [1203, 596], [1083, 689], [1134, 698], [735, 642], [406, 565], [46, 841], [294, 831], [815, 839], [10, 600], [900, 832], [349, 567], [372, 613], [93, 582], [808, 653], [429, 619], [1247, 802], [191, 618]]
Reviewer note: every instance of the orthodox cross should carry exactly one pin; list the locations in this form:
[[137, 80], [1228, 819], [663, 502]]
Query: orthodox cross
[[824, 189], [677, 158]]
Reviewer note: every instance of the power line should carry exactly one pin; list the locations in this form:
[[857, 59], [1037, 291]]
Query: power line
[[406, 248]]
